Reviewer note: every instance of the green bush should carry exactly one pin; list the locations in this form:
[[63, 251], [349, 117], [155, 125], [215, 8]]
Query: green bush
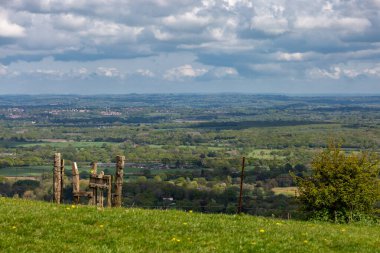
[[342, 187]]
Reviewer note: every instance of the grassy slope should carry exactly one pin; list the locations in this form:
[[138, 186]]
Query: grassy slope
[[32, 226]]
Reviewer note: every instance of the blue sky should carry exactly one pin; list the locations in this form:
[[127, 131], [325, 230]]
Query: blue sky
[[153, 46]]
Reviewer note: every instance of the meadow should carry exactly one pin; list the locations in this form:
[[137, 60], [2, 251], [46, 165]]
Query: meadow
[[34, 226]]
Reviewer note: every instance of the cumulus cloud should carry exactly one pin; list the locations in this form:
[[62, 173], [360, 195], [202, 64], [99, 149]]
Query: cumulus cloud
[[224, 72], [183, 72], [291, 56], [109, 72], [9, 29], [346, 71], [344, 24], [145, 72]]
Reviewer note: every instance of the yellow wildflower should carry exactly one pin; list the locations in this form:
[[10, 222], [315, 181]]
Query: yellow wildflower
[[101, 225], [191, 211], [261, 230], [305, 241], [13, 227]]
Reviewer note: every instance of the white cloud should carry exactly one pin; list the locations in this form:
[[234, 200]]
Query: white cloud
[[108, 72], [183, 72], [269, 24], [9, 29], [82, 71], [145, 72], [71, 21], [327, 7], [346, 24], [188, 20], [351, 71], [290, 56], [3, 70], [224, 72], [48, 72]]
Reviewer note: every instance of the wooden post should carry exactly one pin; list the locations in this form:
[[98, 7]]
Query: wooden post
[[101, 198], [95, 198], [241, 186], [109, 190], [100, 191], [57, 178], [119, 180], [76, 183], [62, 171], [94, 168]]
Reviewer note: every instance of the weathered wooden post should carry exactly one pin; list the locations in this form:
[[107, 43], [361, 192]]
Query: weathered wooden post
[[109, 190], [57, 178], [99, 190], [119, 180], [240, 204], [62, 172], [94, 168], [76, 183]]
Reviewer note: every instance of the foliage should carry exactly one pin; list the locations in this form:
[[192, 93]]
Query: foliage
[[341, 186], [32, 226]]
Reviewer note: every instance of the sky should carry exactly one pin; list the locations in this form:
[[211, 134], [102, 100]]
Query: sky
[[179, 46]]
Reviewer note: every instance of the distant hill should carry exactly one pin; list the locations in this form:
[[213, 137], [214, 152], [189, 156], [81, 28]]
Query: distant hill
[[33, 226]]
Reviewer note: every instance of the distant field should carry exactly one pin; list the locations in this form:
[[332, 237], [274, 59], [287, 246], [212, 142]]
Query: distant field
[[77, 144], [35, 171], [32, 226], [24, 171], [289, 191], [265, 154], [190, 147]]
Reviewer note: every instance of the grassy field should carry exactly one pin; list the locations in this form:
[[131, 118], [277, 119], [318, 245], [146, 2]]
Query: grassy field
[[29, 171], [288, 191], [77, 144], [264, 154], [32, 226], [35, 171]]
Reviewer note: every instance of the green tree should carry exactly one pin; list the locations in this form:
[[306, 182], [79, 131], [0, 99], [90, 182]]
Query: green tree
[[341, 186]]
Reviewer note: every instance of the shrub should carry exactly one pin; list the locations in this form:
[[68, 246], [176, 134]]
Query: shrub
[[342, 187]]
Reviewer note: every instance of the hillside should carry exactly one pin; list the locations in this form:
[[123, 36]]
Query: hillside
[[32, 226]]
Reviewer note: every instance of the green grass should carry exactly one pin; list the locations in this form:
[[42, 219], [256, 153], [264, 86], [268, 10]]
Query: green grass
[[32, 226]]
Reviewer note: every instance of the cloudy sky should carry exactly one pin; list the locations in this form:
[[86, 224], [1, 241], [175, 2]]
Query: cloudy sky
[[253, 46]]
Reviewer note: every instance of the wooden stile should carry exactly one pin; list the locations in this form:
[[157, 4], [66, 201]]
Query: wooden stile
[[98, 183]]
